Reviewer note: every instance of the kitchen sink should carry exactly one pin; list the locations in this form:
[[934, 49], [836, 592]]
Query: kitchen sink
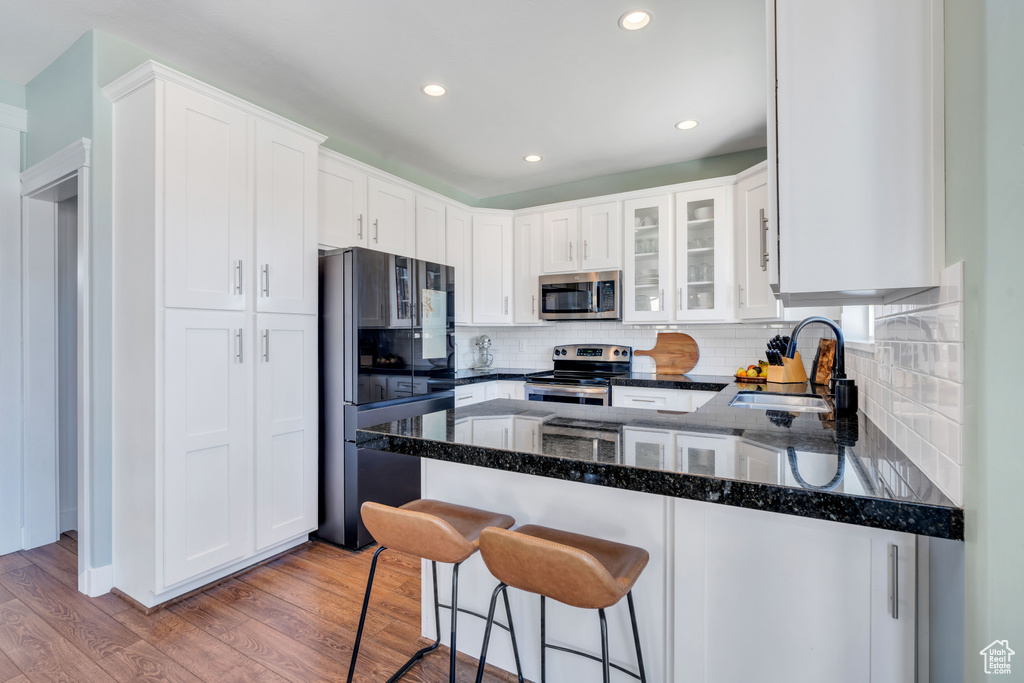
[[794, 403]]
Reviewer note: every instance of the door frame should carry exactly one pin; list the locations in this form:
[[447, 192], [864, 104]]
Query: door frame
[[63, 175]]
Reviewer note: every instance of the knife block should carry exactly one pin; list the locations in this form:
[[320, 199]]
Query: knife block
[[790, 372]]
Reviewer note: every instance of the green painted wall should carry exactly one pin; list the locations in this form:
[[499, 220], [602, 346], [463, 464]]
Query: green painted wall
[[984, 202], [59, 102], [12, 93], [700, 169]]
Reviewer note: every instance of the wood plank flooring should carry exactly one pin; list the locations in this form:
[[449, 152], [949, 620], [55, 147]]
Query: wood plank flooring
[[293, 619]]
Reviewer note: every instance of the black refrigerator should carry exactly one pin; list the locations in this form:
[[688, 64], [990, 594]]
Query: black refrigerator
[[387, 325]]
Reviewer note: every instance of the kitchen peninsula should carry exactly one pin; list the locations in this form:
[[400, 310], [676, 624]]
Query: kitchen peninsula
[[753, 519]]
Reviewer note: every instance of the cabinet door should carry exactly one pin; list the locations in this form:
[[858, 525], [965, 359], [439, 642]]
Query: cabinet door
[[286, 253], [341, 213], [430, 241], [459, 255], [206, 460], [492, 269], [704, 256], [286, 428], [468, 394], [560, 241], [527, 268], [647, 448], [392, 212], [755, 299], [648, 292], [206, 221], [601, 236], [526, 434], [492, 432]]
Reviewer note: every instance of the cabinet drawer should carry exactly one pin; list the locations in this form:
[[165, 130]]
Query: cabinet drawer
[[658, 399]]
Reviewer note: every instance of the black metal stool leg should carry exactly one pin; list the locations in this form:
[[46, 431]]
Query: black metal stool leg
[[512, 634], [487, 632], [455, 616], [543, 644], [605, 661], [430, 648], [636, 637], [362, 615]]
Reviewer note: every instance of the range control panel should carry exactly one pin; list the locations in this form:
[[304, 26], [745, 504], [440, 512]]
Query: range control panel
[[593, 352]]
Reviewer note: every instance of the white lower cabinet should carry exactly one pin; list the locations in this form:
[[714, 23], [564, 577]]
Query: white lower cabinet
[[204, 489], [286, 427], [768, 597], [468, 394], [652, 398]]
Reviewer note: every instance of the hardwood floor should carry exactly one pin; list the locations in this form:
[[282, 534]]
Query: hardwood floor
[[293, 619]]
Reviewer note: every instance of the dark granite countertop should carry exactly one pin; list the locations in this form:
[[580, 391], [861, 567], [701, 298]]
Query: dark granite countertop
[[655, 380], [809, 465]]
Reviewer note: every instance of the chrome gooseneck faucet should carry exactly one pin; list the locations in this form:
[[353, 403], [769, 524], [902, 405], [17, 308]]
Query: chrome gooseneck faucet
[[844, 390]]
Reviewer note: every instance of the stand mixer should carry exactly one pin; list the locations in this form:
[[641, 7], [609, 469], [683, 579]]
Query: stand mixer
[[483, 343]]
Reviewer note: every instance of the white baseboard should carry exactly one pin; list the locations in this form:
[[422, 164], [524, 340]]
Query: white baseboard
[[68, 520], [96, 581]]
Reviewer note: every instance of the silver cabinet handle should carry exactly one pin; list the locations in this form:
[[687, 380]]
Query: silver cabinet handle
[[535, 304], [238, 276], [644, 400], [266, 346], [570, 251], [586, 252], [506, 305], [265, 279], [238, 345], [764, 241], [680, 298], [894, 581], [504, 437], [740, 295], [376, 231], [661, 298], [360, 221]]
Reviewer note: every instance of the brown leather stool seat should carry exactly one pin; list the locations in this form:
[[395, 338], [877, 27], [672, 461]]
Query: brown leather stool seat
[[436, 531], [577, 570]]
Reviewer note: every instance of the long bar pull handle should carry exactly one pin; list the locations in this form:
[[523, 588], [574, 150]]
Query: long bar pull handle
[[238, 276], [238, 345], [740, 288], [376, 231], [360, 220], [506, 305], [680, 298], [266, 346], [894, 581], [535, 304], [661, 299], [265, 277], [586, 252], [644, 400], [764, 241]]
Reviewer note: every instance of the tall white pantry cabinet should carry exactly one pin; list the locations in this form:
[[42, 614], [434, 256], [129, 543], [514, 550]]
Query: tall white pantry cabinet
[[215, 333]]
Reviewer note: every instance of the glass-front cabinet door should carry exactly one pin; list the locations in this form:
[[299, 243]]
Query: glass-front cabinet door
[[647, 294], [704, 255]]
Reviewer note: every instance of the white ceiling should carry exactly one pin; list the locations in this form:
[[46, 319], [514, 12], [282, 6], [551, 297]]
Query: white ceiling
[[557, 78]]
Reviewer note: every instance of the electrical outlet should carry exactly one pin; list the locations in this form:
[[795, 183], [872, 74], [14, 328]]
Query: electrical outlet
[[522, 346]]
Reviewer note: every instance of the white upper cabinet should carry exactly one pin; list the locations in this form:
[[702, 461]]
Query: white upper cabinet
[[648, 271], [601, 236], [342, 206], [527, 262], [392, 222], [492, 269], [855, 148], [205, 202], [286, 427], [704, 255], [754, 297], [430, 230], [206, 450], [459, 255], [286, 244], [560, 241]]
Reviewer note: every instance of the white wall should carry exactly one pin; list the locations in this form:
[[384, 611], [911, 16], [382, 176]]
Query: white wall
[[912, 380]]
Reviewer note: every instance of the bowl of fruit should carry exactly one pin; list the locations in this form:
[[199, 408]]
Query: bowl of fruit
[[753, 373]]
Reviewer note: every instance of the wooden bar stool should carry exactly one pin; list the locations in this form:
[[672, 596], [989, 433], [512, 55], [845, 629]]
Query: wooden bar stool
[[435, 531], [580, 571]]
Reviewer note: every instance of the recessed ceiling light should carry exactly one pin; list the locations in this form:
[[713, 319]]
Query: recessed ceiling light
[[532, 158], [434, 90], [686, 125], [635, 19]]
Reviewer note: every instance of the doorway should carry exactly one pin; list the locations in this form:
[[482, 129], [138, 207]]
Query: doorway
[[55, 357]]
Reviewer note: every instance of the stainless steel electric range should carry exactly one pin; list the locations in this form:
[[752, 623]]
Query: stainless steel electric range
[[582, 374]]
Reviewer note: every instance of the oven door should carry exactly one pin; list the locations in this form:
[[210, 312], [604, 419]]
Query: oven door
[[580, 296], [561, 393]]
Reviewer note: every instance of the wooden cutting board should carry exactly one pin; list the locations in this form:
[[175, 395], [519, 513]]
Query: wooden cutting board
[[674, 353]]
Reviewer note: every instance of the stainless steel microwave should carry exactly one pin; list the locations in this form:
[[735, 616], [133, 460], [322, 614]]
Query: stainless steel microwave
[[581, 296]]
